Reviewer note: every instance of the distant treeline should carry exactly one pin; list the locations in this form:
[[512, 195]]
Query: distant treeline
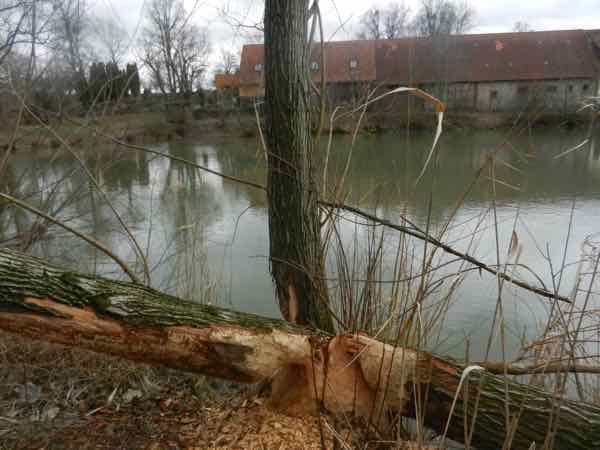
[[107, 81]]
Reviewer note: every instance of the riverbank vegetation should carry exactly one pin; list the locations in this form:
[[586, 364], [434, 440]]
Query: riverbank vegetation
[[367, 292]]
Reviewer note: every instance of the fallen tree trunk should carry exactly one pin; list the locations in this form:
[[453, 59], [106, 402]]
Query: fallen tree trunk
[[345, 373]]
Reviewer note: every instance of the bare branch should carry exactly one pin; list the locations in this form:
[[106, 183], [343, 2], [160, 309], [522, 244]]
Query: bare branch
[[390, 22], [90, 240], [174, 49], [443, 17], [411, 230]]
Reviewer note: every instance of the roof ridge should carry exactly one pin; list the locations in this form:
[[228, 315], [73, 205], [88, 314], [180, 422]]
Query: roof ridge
[[452, 36], [536, 55]]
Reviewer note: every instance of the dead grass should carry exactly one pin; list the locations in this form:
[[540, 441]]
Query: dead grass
[[134, 127], [52, 397], [57, 397]]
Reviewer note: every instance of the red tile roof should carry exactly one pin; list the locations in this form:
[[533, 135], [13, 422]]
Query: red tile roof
[[338, 56], [337, 62], [461, 58], [487, 57]]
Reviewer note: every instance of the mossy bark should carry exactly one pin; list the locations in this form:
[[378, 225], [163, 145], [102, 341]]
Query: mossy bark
[[490, 407], [294, 230], [40, 301], [139, 323]]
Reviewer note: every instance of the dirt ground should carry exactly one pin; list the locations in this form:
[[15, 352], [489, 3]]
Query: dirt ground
[[53, 397]]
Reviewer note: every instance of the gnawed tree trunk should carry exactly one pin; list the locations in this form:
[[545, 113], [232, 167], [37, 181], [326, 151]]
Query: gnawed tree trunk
[[359, 374], [294, 230]]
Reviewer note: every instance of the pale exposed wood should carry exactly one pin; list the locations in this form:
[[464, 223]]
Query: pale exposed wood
[[348, 373], [225, 351]]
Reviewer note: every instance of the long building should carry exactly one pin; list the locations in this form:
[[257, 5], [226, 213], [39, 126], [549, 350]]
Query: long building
[[501, 72]]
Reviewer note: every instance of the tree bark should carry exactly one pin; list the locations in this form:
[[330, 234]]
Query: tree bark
[[346, 373], [294, 230]]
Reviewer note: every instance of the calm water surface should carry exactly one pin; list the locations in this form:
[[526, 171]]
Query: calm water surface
[[206, 237]]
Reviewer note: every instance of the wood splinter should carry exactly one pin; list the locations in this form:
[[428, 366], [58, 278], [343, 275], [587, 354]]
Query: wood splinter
[[349, 373]]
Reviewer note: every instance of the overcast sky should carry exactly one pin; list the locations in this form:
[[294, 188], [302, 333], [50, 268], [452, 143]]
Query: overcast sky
[[341, 16]]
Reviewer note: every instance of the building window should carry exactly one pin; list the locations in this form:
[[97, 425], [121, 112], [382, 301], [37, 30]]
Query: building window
[[585, 87], [314, 66], [258, 67], [354, 63], [570, 88], [551, 89]]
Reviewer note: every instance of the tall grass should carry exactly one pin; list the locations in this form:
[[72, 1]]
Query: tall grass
[[400, 289]]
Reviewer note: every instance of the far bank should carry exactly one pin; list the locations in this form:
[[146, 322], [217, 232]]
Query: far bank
[[177, 124]]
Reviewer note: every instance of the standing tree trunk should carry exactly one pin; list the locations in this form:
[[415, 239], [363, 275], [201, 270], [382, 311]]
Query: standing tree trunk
[[294, 231]]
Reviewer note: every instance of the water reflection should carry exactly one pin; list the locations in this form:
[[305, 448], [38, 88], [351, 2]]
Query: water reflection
[[205, 236]]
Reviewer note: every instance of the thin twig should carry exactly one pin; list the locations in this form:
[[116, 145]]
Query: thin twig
[[88, 239], [91, 177], [415, 232]]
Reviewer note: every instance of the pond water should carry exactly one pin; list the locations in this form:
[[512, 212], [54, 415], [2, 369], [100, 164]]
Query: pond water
[[206, 238]]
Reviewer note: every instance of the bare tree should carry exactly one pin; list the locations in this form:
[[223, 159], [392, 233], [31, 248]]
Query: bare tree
[[15, 24], [384, 23], [229, 62], [521, 27], [174, 49], [245, 19], [370, 23], [191, 54], [70, 40], [23, 28], [111, 39], [443, 17], [395, 20], [52, 88]]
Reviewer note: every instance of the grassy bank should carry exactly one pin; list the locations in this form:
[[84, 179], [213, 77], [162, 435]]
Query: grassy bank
[[151, 127], [137, 127]]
